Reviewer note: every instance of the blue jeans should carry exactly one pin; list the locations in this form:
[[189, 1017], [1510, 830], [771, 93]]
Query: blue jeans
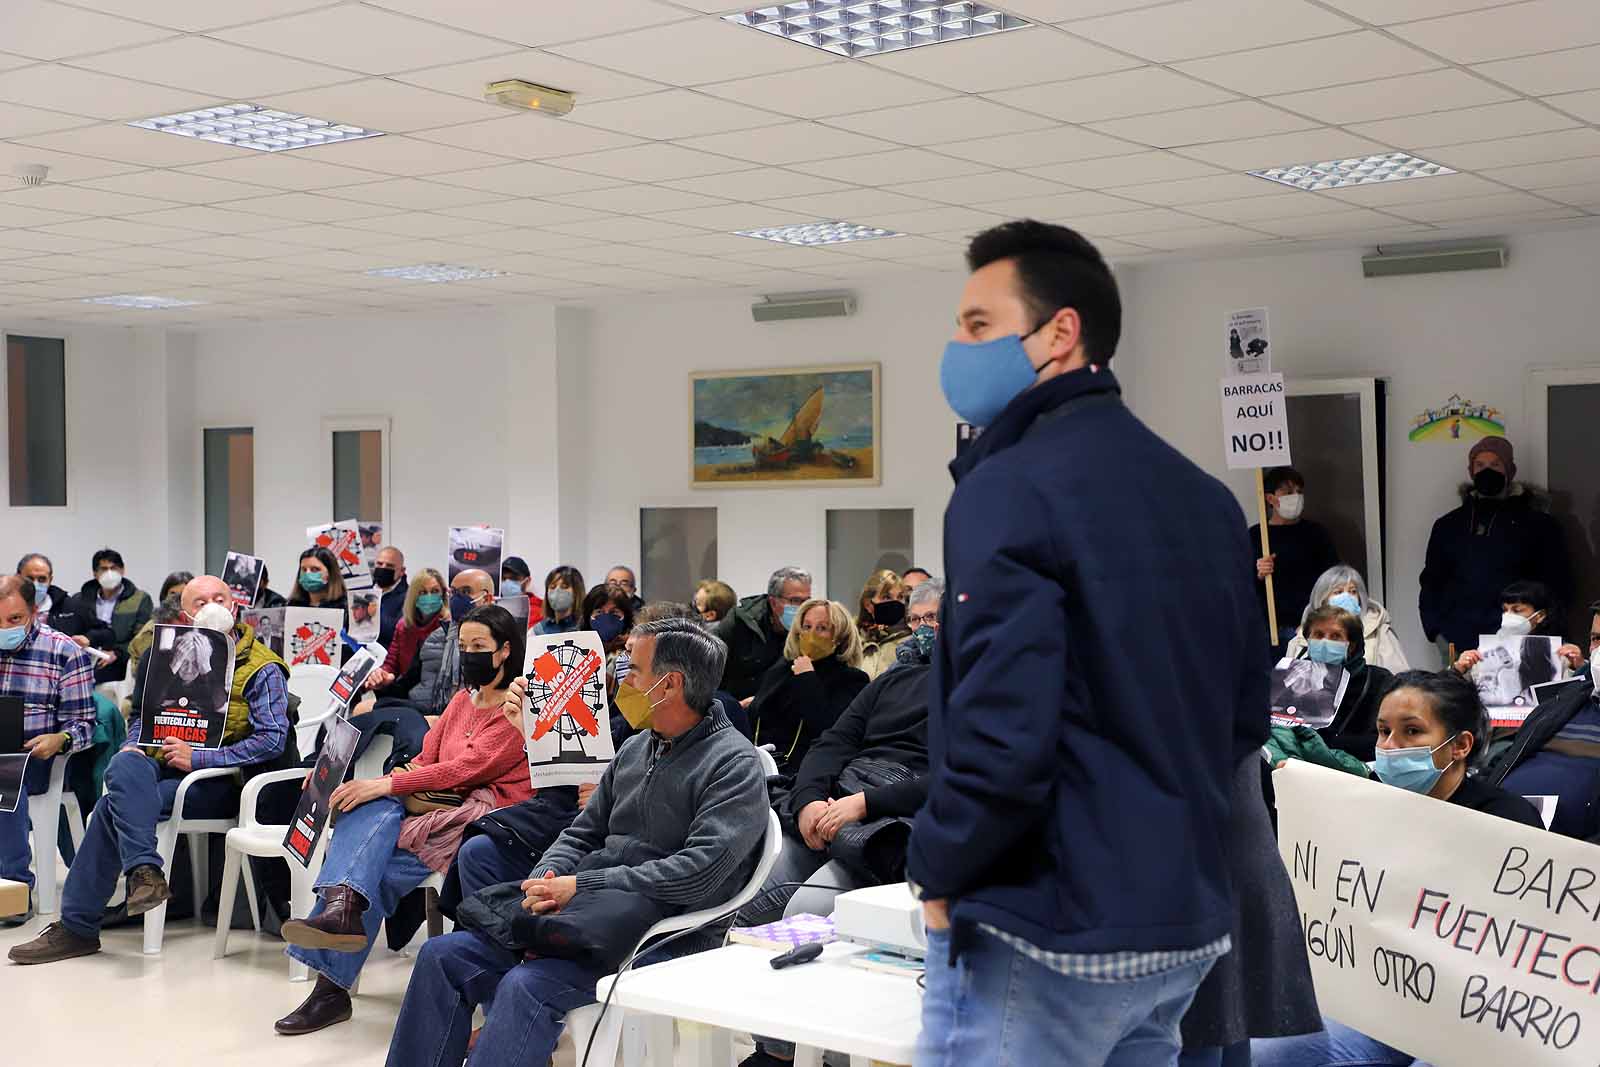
[[1337, 1046], [459, 971], [481, 863], [122, 832], [996, 1006], [364, 854], [1235, 1055], [16, 849]]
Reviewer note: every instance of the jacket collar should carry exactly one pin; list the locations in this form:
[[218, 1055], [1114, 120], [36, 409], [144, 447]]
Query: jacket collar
[[1032, 405], [711, 722]]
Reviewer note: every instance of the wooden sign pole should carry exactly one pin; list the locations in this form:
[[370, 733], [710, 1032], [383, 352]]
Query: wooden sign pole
[[1266, 553]]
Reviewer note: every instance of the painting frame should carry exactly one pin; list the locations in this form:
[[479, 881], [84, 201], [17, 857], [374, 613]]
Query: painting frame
[[744, 481]]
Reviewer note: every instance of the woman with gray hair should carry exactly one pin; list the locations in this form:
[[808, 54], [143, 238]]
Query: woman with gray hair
[[1341, 586]]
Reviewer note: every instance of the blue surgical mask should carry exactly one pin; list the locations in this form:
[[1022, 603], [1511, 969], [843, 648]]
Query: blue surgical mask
[[1324, 651], [510, 587], [1410, 768], [979, 380], [41, 592], [1346, 602], [789, 613], [11, 637], [608, 626]]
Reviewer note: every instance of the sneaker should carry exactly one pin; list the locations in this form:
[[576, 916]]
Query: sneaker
[[147, 889], [54, 944]]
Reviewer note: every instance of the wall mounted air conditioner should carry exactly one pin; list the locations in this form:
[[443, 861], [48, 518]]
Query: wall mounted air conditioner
[[1393, 260], [781, 307]]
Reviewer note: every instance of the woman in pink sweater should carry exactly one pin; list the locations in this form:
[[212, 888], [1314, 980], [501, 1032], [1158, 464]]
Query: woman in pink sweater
[[378, 853]]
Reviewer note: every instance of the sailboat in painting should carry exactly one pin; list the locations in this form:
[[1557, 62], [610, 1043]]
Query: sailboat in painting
[[797, 443]]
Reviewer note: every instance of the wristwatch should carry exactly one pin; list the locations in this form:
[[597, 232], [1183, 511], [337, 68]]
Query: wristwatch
[[66, 745]]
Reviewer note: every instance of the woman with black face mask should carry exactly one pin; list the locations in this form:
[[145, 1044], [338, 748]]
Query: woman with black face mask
[[1501, 533], [391, 833], [882, 621]]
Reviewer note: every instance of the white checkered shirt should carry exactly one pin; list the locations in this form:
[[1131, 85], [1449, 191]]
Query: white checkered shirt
[[1112, 966]]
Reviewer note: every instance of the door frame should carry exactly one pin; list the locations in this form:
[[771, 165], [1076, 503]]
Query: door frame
[[1372, 478], [1536, 450]]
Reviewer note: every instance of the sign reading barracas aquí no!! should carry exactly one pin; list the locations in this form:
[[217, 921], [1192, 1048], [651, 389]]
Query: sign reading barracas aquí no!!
[[1255, 422]]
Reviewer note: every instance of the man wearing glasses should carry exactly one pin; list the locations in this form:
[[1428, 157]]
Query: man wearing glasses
[[756, 629]]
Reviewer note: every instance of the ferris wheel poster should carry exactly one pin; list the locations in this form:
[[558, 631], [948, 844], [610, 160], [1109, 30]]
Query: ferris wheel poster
[[566, 720]]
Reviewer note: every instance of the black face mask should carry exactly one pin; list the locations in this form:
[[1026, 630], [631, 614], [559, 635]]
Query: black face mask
[[384, 576], [1489, 482], [888, 613], [478, 669]]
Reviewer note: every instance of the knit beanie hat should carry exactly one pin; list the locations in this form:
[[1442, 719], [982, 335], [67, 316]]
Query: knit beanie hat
[[1499, 446]]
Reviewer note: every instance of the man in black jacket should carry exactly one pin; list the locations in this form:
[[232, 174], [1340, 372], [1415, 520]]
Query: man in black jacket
[[756, 629], [63, 612]]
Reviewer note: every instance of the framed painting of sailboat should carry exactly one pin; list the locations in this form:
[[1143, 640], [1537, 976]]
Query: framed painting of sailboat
[[794, 427]]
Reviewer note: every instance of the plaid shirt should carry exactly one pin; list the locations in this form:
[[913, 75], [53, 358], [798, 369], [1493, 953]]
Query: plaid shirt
[[54, 679], [1111, 966], [268, 697]]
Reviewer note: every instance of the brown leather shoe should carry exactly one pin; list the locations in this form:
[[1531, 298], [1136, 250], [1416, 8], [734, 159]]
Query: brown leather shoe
[[147, 889], [327, 1004], [338, 928], [56, 943]]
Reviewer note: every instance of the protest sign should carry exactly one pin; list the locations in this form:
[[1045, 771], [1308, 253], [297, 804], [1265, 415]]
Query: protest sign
[[476, 548], [1255, 422], [347, 683], [565, 719], [268, 626], [365, 616], [311, 636], [343, 539], [1548, 691], [12, 711], [1459, 937], [1508, 671], [242, 575], [186, 686], [519, 606], [311, 813], [1307, 693], [1249, 342], [371, 541], [13, 769]]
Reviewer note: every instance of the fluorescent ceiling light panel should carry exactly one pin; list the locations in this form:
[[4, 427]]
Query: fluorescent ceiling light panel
[[1343, 173], [855, 29], [142, 303], [809, 234], [435, 272], [255, 127]]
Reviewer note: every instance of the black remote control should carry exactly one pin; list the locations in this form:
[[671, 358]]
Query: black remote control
[[801, 954]]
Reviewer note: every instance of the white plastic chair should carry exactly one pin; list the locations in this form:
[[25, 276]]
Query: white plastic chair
[[608, 1031], [309, 682], [197, 830], [44, 811]]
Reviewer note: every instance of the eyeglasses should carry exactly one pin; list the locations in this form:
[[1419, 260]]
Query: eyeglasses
[[794, 601], [918, 621]]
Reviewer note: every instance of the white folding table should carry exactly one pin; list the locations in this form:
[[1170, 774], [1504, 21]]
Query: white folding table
[[827, 1004]]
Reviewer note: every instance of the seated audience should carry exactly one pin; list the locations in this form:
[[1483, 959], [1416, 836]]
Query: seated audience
[[1556, 752], [1341, 586], [439, 667], [1501, 533], [393, 832], [1426, 720], [141, 786], [757, 629], [422, 614], [389, 575], [687, 842], [54, 680], [1527, 609], [57, 608], [882, 621], [1301, 549], [563, 599], [713, 600], [1334, 636], [913, 577], [266, 596], [808, 688], [117, 603], [622, 579]]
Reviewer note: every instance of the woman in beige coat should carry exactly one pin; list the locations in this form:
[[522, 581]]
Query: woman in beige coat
[[1343, 587]]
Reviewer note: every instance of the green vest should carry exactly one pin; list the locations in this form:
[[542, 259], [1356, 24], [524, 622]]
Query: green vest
[[249, 657]]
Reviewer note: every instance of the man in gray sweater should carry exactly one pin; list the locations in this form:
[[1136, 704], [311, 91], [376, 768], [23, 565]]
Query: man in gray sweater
[[678, 817]]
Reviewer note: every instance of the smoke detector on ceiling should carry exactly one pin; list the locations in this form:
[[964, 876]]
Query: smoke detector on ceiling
[[31, 173], [526, 96]]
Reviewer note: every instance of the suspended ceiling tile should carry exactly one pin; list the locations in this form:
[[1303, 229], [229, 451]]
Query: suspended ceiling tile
[[1003, 60], [1112, 96], [363, 38]]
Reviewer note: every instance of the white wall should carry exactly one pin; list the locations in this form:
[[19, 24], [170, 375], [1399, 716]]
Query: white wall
[[1475, 333]]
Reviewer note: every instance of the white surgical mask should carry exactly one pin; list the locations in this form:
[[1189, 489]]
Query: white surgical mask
[[1594, 670], [1514, 625], [214, 617], [110, 579], [1291, 505]]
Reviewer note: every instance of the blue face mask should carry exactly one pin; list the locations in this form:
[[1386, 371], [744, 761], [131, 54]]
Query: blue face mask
[[11, 638], [979, 380], [608, 626], [41, 592], [789, 613], [1346, 602], [1323, 651], [461, 606], [1410, 768], [510, 587]]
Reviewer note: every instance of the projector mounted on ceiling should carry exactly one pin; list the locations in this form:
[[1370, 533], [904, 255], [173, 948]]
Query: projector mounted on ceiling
[[1391, 260], [781, 307], [526, 96]]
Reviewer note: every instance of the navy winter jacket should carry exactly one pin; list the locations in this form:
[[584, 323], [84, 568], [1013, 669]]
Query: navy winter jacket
[[1100, 672]]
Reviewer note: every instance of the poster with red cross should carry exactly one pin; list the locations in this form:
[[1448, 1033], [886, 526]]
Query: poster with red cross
[[343, 539], [565, 717], [311, 637]]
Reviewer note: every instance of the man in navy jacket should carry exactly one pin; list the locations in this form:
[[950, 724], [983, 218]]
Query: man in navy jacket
[[1100, 674]]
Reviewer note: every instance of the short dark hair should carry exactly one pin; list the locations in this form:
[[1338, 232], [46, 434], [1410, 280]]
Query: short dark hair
[[916, 570], [1277, 477], [1454, 699], [688, 649], [1057, 268], [179, 579], [1350, 624], [506, 630], [107, 555], [1535, 594], [603, 596]]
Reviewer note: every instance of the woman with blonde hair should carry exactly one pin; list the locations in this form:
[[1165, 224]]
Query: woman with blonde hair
[[423, 613], [805, 692], [882, 621]]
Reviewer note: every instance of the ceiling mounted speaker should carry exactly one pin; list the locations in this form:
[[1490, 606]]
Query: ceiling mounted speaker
[[781, 307], [1433, 259]]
